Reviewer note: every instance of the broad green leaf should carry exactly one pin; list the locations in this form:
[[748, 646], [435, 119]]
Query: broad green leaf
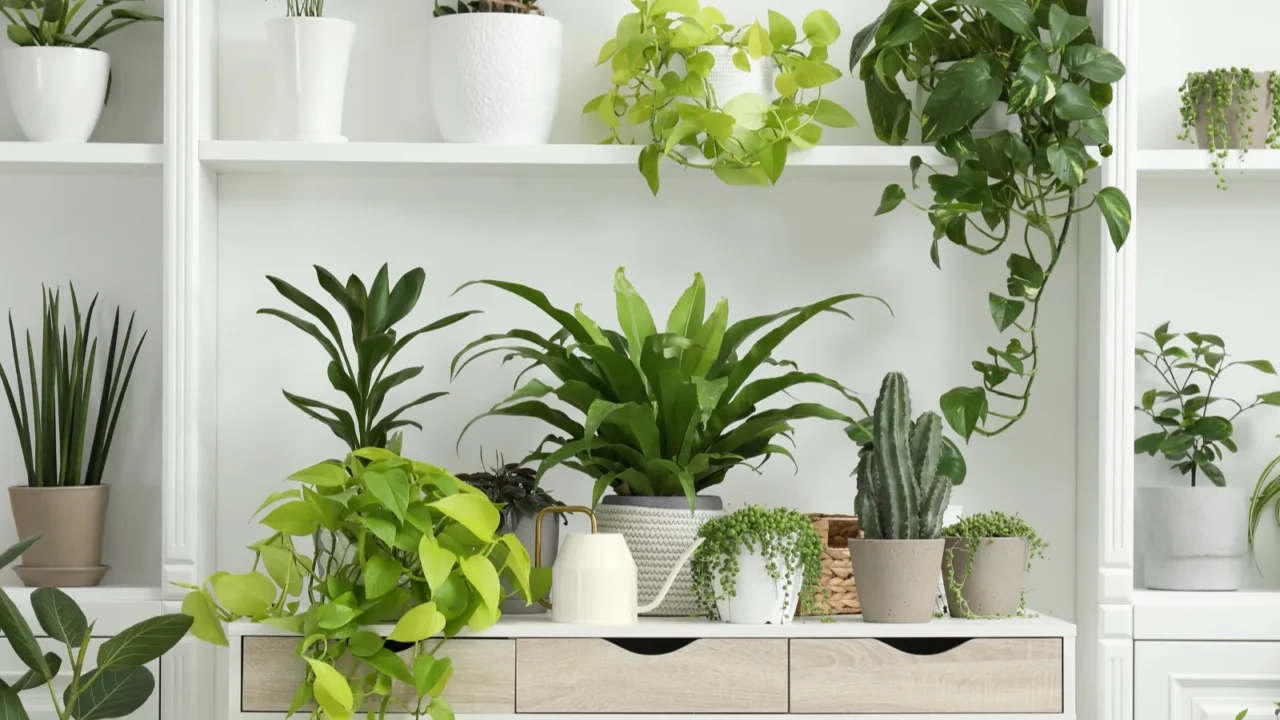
[[419, 623], [809, 74], [15, 628], [607, 52], [431, 678], [1013, 14], [139, 644], [1177, 443], [15, 551], [381, 576], [1065, 27], [59, 615], [1094, 63], [1073, 103], [1034, 82], [964, 409], [276, 497], [782, 32], [331, 688], [1271, 398], [518, 562], [1262, 365], [757, 41], [831, 114], [387, 662], [890, 111], [1004, 311], [1212, 472], [483, 577], [365, 643], [649, 156], [437, 562], [962, 94], [439, 710], [1116, 211], [325, 474], [1026, 270], [820, 28], [891, 198], [689, 311], [334, 615], [32, 679], [633, 314], [299, 518], [698, 361], [717, 124], [382, 525], [10, 704], [1149, 444], [1069, 161], [422, 666], [474, 512], [391, 488], [249, 594], [205, 624], [1212, 428], [111, 693]]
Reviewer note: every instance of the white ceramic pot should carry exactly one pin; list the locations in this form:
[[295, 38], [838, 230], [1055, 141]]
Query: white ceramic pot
[[311, 56], [1196, 537], [495, 77], [757, 598], [728, 82], [57, 93]]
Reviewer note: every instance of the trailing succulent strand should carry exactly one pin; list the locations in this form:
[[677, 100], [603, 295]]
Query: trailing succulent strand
[[523, 7], [978, 529], [1216, 92]]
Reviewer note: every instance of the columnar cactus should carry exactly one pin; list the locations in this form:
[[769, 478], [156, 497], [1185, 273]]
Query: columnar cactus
[[901, 494]]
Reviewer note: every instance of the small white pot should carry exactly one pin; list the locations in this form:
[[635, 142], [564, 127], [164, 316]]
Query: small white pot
[[759, 599], [57, 93], [1196, 537], [728, 82], [311, 56], [495, 77]]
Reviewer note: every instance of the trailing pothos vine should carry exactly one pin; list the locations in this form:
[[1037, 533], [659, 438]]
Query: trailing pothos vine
[[785, 537], [1041, 58], [983, 528]]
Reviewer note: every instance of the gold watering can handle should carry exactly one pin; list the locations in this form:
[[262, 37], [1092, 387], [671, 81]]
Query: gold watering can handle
[[537, 534]]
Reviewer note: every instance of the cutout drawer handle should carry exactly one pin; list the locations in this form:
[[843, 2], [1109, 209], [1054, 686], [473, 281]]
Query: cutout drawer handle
[[651, 646], [923, 646]]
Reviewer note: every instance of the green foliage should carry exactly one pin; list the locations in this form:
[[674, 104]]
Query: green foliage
[[51, 431], [117, 687], [395, 540], [57, 23], [983, 527], [663, 413], [513, 488], [373, 313], [1190, 434], [1040, 57], [905, 470], [462, 7], [781, 535], [1264, 493], [1211, 95], [304, 8], [660, 69]]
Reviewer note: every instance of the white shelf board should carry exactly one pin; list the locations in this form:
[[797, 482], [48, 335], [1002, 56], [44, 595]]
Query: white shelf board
[[1193, 164], [111, 608], [1223, 616], [30, 157]]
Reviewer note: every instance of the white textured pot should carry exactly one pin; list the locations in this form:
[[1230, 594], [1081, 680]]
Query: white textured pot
[[311, 56], [1196, 538], [495, 77], [57, 93], [728, 82], [757, 598]]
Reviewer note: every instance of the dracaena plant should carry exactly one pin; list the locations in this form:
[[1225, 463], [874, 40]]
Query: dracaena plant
[[1025, 185], [119, 683], [523, 7], [377, 539], [60, 23], [365, 381], [661, 413]]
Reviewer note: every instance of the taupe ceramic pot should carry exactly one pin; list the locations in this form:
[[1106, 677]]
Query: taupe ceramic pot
[[994, 585], [897, 579], [72, 520]]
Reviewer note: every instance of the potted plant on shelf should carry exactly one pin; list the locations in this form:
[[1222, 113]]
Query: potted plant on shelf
[[495, 71], [736, 101], [1230, 109], [58, 81], [311, 54], [755, 565], [984, 562], [664, 415], [64, 499], [1196, 534], [1264, 493], [1043, 61], [903, 490]]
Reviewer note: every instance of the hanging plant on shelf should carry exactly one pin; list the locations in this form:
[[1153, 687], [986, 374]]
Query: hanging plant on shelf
[[1042, 60], [1230, 109]]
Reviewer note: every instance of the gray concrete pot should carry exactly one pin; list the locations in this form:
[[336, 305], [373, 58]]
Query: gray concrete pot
[[1196, 537], [524, 532], [994, 585], [1259, 120], [72, 520], [897, 579]]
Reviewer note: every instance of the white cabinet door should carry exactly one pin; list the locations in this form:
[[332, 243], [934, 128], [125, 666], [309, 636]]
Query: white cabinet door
[[1205, 680], [37, 701]]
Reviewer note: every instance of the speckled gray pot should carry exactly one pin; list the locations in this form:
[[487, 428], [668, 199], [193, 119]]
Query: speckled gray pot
[[1196, 537], [994, 585], [1258, 120], [897, 579]]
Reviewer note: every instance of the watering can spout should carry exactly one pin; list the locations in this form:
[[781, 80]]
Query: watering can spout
[[671, 578]]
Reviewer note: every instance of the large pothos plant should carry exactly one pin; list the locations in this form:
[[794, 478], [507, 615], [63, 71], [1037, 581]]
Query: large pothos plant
[[1025, 184]]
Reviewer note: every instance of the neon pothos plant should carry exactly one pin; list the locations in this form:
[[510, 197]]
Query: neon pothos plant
[[58, 23], [661, 413], [1041, 58], [397, 541]]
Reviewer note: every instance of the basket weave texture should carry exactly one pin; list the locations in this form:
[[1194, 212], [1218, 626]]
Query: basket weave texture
[[837, 592]]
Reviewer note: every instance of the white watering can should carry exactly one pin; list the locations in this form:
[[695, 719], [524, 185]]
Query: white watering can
[[594, 576]]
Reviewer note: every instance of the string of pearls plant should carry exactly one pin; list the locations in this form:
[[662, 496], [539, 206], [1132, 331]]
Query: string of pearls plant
[[1215, 95], [977, 529], [785, 537]]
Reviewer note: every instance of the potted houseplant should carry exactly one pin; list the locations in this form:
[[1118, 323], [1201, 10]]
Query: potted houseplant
[[1265, 492], [1197, 532], [1230, 109], [495, 71], [984, 561], [756, 564], [119, 684], [58, 81], [64, 499], [514, 488], [311, 54], [664, 416], [903, 491], [707, 95], [1043, 61]]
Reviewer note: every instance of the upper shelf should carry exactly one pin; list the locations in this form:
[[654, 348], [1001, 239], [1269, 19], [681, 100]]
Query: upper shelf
[[1193, 164], [32, 157]]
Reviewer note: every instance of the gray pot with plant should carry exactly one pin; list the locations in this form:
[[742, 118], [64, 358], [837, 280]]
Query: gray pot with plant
[[905, 474], [1230, 109], [1197, 534], [985, 563]]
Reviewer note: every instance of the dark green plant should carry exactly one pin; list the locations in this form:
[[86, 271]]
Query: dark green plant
[[461, 7], [52, 433], [119, 684], [784, 537], [53, 23], [665, 413], [1264, 493], [1213, 94], [980, 528], [365, 382], [1190, 434], [1041, 58], [514, 489]]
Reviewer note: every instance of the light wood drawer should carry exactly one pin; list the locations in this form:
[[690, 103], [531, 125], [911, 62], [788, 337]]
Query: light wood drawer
[[37, 701], [484, 675], [989, 675], [580, 675]]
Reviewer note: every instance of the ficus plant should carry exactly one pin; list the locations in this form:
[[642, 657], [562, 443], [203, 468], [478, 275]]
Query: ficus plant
[[661, 86], [373, 313], [59, 23], [657, 413], [1225, 101], [1195, 425], [783, 536], [396, 541], [1026, 185], [978, 529]]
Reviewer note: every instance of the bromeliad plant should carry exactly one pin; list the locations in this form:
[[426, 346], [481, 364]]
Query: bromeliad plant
[[1212, 95], [1190, 434], [514, 488], [783, 536], [661, 72], [979, 528], [523, 7], [396, 540], [51, 433], [120, 683], [373, 313], [1041, 58], [662, 413], [54, 23]]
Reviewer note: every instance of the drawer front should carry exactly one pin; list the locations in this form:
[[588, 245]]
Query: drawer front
[[580, 675], [483, 680], [989, 675], [37, 702], [1205, 680]]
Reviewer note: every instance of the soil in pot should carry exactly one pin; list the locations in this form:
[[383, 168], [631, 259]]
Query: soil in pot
[[72, 520], [993, 585], [897, 579], [1196, 537]]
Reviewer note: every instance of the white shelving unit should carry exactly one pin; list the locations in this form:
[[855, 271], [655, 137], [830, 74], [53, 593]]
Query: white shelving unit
[[1195, 165]]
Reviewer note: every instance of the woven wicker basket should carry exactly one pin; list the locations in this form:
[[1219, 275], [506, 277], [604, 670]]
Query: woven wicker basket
[[837, 594]]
